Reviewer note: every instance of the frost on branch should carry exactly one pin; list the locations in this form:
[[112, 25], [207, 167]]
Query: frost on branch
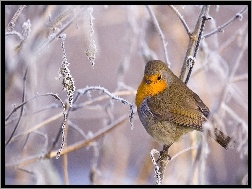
[[91, 50], [112, 96], [64, 72]]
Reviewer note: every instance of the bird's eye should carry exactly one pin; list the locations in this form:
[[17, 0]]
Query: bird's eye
[[159, 77]]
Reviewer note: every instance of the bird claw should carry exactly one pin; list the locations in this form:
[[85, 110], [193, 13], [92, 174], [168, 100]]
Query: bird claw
[[163, 156]]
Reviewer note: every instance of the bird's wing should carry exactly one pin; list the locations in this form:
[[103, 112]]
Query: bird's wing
[[182, 107]]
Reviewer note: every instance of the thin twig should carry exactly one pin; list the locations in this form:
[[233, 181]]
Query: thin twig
[[232, 20], [11, 24], [27, 101], [197, 32], [232, 73], [234, 115], [65, 162], [57, 116], [154, 19], [192, 41], [96, 136], [239, 78], [57, 137], [64, 27], [77, 128], [22, 108], [181, 19], [36, 127], [15, 33], [113, 96], [191, 61], [233, 38], [75, 146], [83, 92]]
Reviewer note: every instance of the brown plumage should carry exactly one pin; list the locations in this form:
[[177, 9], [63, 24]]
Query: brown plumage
[[168, 109]]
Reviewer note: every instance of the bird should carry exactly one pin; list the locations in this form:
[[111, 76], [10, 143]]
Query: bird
[[168, 109]]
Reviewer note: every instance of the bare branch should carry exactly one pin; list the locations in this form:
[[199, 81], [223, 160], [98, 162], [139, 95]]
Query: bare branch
[[154, 19], [21, 111], [238, 16], [197, 33], [65, 169], [114, 97], [193, 40], [181, 19], [96, 136], [36, 127], [11, 24], [27, 101], [73, 147]]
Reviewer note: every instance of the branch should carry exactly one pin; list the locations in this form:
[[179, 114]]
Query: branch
[[11, 24], [21, 111], [181, 19], [75, 146], [27, 101], [65, 164], [64, 15], [154, 19], [96, 136], [192, 41], [232, 20], [190, 61], [114, 97], [57, 116], [40, 124]]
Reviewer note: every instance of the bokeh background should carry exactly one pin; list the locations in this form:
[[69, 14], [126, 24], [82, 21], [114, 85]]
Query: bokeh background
[[124, 37]]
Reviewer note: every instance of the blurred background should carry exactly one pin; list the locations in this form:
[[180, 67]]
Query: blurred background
[[122, 38]]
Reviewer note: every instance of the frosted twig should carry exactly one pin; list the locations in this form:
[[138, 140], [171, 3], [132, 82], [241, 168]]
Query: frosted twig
[[57, 116], [221, 28], [73, 147], [91, 50], [22, 108], [235, 116], [63, 132], [233, 38], [183, 151], [45, 122], [65, 169], [77, 128], [154, 19], [68, 80], [156, 167], [198, 33], [11, 24], [15, 33], [193, 37], [27, 101], [238, 78], [72, 18], [181, 19], [113, 97]]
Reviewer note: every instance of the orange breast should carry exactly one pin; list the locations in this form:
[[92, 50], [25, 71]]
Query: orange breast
[[147, 90]]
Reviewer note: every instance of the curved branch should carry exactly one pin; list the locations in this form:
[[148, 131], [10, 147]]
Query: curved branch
[[232, 20], [73, 147], [181, 19], [21, 111], [160, 33]]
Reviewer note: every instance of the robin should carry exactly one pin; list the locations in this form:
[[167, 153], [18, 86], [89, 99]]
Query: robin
[[168, 109]]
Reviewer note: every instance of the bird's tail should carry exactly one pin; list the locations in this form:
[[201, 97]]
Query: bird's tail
[[224, 140]]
